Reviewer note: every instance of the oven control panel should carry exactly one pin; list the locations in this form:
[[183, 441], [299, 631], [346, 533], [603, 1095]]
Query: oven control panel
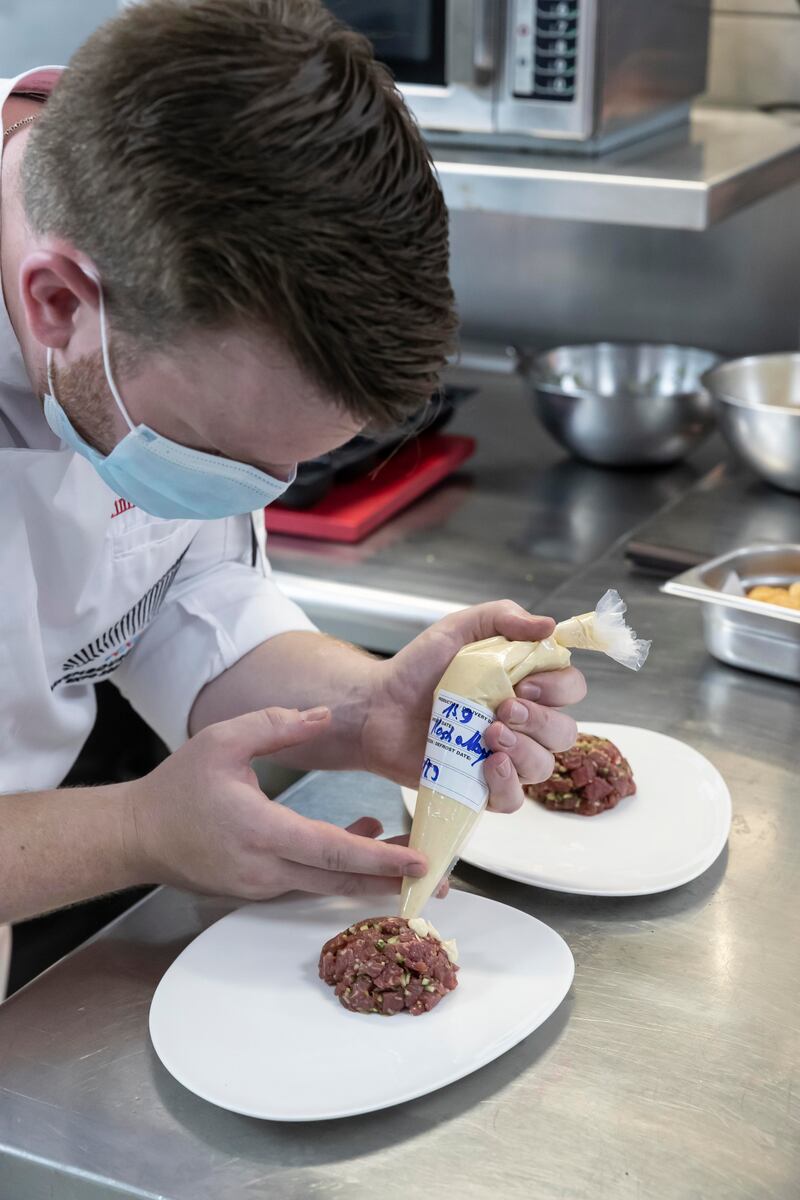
[[544, 49]]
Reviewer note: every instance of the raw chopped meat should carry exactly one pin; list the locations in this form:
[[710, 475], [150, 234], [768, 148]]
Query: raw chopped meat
[[380, 965], [589, 779]]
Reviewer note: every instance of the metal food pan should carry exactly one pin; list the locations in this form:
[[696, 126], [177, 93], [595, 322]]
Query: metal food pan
[[746, 633]]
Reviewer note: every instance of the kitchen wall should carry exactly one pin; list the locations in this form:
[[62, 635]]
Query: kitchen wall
[[735, 287], [755, 44], [755, 52], [38, 32]]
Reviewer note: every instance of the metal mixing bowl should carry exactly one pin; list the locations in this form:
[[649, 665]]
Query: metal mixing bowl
[[623, 405], [758, 406]]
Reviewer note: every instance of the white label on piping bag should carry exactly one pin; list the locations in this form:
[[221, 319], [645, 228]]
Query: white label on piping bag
[[456, 751]]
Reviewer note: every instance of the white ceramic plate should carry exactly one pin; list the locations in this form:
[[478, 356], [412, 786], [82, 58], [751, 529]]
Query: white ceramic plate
[[242, 1019], [669, 832]]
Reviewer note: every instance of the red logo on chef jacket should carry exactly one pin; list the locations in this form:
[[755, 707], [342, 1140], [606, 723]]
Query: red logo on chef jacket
[[121, 506]]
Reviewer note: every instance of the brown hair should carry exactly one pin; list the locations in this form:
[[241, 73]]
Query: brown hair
[[229, 161]]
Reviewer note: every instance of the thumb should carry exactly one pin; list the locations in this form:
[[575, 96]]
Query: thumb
[[268, 730]]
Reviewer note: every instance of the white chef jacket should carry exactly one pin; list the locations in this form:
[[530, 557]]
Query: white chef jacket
[[93, 588]]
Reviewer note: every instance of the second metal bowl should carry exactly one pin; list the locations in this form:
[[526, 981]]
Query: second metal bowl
[[623, 405], [758, 406]]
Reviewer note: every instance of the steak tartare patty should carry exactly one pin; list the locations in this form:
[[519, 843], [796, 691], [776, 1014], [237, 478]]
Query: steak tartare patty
[[588, 779], [381, 965]]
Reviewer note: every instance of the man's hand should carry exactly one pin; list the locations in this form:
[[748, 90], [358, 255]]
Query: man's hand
[[523, 738], [380, 709], [200, 821]]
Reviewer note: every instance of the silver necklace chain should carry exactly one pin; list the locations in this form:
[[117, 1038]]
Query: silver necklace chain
[[18, 125]]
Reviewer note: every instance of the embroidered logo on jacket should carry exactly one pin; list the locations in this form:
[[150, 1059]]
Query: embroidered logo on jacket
[[121, 506], [105, 653]]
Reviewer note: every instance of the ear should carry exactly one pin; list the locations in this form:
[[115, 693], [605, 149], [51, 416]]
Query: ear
[[56, 292]]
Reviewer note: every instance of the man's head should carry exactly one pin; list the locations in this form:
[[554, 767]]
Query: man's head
[[263, 215]]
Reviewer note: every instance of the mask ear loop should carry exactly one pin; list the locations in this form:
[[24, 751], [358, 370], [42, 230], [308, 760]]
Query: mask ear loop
[[106, 357], [49, 361]]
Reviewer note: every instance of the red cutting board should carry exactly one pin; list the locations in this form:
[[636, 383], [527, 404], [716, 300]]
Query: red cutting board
[[352, 510]]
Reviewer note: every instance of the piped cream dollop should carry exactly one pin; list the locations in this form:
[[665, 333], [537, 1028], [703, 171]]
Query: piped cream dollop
[[423, 928]]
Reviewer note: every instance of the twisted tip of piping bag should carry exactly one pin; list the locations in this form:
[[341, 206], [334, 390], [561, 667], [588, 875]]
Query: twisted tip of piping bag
[[606, 630], [619, 640]]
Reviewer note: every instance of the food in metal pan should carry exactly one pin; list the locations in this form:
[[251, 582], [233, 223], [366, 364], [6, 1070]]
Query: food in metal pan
[[786, 597]]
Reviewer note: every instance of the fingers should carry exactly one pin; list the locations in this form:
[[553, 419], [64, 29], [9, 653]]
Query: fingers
[[318, 844], [530, 760], [342, 883], [524, 739], [368, 827], [497, 617], [337, 883], [554, 688], [265, 731], [525, 721], [528, 733], [444, 887], [505, 790]]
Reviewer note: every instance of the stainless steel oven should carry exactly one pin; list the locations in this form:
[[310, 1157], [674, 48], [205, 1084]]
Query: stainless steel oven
[[579, 74]]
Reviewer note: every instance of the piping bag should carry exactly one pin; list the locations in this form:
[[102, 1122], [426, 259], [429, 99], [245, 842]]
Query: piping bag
[[452, 792]]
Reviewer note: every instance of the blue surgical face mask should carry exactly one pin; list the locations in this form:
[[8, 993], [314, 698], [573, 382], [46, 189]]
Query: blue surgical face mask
[[158, 475]]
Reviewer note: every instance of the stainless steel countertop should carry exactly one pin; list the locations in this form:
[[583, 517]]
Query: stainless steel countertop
[[671, 1070], [729, 507], [682, 179], [518, 519]]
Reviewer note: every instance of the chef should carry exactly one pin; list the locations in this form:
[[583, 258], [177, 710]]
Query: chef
[[222, 251]]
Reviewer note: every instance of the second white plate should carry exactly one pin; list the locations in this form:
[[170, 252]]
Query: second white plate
[[667, 834]]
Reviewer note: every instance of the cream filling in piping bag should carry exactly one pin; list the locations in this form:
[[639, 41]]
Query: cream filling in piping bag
[[452, 792]]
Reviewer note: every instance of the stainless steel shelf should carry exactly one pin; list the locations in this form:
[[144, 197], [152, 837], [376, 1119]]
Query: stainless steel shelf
[[683, 179]]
